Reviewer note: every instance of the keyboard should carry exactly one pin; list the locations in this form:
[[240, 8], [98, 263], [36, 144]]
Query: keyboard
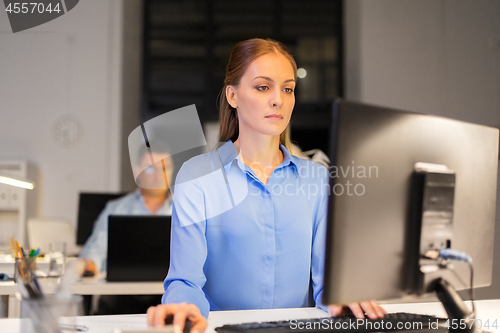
[[390, 322]]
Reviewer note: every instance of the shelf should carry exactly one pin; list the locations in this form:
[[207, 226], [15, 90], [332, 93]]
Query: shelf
[[188, 44]]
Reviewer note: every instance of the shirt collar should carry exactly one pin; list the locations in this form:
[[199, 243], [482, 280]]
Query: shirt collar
[[137, 194], [288, 159], [166, 205], [228, 153]]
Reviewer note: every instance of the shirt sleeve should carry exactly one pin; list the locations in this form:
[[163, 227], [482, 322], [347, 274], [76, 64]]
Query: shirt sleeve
[[318, 252], [96, 247], [188, 246]]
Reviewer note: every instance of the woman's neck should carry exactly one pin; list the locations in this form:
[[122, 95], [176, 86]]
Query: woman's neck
[[261, 154]]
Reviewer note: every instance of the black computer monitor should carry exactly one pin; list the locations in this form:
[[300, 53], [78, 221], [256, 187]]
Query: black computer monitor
[[90, 205], [375, 212], [130, 260]]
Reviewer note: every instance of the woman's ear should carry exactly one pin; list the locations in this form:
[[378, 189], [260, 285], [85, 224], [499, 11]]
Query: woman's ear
[[231, 96]]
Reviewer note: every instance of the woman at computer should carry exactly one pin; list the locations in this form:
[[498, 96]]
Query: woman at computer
[[248, 220]]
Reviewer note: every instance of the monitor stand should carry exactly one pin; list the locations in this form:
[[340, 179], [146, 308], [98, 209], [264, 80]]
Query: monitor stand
[[457, 311]]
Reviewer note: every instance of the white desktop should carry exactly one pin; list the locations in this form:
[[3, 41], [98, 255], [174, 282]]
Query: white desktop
[[488, 311], [10, 306]]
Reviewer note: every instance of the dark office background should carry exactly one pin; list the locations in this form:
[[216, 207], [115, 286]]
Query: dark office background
[[186, 47]]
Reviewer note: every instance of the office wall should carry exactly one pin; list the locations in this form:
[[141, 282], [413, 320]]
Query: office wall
[[439, 57], [131, 84], [61, 98]]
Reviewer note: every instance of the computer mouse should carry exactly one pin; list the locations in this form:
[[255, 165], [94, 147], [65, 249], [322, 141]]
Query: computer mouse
[[169, 320], [88, 273]]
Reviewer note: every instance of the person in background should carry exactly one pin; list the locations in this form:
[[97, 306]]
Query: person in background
[[267, 251], [152, 197]]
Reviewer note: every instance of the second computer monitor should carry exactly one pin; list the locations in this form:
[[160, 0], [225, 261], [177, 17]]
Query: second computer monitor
[[374, 152], [90, 205]]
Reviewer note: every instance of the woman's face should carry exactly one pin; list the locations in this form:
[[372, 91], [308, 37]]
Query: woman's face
[[265, 96]]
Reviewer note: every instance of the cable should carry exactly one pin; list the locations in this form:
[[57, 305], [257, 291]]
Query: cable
[[455, 255], [472, 289], [449, 254]]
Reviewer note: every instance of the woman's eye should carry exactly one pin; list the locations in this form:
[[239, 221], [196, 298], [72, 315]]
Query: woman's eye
[[288, 90], [262, 88]]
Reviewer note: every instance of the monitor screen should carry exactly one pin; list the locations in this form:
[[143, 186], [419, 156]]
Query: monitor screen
[[374, 151], [90, 205]]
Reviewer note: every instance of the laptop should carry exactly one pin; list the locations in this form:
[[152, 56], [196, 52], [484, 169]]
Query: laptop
[[138, 248]]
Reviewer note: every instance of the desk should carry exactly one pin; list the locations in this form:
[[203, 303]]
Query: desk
[[9, 304], [106, 324], [7, 264]]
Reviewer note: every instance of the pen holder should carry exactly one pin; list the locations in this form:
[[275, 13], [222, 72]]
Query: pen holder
[[24, 267], [50, 314]]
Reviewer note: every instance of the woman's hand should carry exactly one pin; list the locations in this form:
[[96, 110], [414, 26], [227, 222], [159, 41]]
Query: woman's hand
[[372, 309], [157, 315], [90, 268]]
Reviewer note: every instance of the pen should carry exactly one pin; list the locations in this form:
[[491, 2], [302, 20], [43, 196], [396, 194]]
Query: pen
[[36, 286], [14, 248], [32, 253], [19, 249], [37, 252], [20, 266]]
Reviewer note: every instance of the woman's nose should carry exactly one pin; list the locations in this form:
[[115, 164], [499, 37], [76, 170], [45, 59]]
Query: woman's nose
[[276, 100]]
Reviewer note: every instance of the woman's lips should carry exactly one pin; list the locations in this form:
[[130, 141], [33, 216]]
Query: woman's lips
[[275, 117]]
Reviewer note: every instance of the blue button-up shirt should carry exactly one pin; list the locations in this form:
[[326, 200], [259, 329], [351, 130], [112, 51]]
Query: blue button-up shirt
[[239, 244], [96, 247]]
